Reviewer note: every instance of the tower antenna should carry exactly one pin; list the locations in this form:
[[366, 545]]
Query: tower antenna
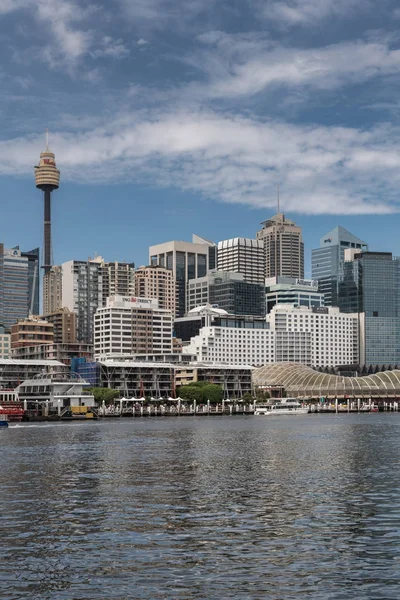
[[47, 140]]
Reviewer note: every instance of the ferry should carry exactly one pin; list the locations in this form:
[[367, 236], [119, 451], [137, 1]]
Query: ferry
[[282, 406]]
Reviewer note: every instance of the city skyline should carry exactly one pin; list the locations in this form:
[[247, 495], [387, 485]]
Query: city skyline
[[166, 115]]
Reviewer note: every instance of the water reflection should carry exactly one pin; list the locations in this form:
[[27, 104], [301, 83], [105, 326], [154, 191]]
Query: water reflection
[[202, 508]]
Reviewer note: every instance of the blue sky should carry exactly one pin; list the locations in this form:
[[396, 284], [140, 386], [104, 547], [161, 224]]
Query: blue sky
[[173, 117]]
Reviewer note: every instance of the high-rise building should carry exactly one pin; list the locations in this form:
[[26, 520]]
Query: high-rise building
[[118, 278], [156, 282], [82, 293], [131, 325], [287, 290], [283, 247], [64, 325], [33, 257], [370, 284], [228, 291], [242, 255], [186, 260], [14, 286], [328, 259], [52, 290]]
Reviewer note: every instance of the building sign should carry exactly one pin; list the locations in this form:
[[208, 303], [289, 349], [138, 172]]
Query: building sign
[[135, 302], [12, 252], [328, 240], [321, 310], [307, 282], [48, 161]]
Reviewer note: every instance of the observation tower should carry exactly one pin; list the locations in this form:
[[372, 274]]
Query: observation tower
[[47, 178]]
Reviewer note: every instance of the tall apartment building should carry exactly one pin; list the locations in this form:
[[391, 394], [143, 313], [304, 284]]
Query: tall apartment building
[[321, 337], [327, 261], [32, 331], [370, 284], [287, 290], [52, 290], [283, 247], [17, 286], [64, 325], [242, 255], [186, 260], [132, 325], [33, 257], [156, 282], [118, 278]]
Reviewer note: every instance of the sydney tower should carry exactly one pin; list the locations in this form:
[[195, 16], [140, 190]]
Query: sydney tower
[[47, 178]]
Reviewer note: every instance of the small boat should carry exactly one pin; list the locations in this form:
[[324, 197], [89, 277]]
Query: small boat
[[282, 406], [3, 421]]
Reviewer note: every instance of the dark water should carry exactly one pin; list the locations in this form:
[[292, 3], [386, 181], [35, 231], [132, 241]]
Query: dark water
[[240, 507]]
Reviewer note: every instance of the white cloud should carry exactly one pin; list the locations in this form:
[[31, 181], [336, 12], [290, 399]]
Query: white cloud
[[231, 159], [301, 12], [111, 49], [246, 65]]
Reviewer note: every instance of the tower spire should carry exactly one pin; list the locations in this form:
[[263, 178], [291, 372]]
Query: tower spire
[[47, 140], [278, 199]]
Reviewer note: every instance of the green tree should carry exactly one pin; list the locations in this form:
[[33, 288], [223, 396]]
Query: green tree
[[201, 391], [247, 398], [103, 394]]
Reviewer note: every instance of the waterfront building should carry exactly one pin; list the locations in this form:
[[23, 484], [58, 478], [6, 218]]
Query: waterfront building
[[14, 371], [64, 325], [370, 283], [287, 290], [30, 332], [234, 380], [229, 291], [283, 247], [320, 336], [331, 337], [327, 261], [300, 381], [61, 352], [187, 261], [132, 325], [156, 282], [242, 255]]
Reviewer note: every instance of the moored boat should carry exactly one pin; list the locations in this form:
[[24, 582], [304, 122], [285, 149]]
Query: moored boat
[[281, 406]]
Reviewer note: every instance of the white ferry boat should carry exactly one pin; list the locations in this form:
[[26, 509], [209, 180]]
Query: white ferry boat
[[282, 406]]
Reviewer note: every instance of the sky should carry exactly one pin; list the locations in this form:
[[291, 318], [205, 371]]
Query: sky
[[173, 117]]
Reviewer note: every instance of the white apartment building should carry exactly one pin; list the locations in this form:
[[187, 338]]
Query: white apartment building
[[242, 255], [320, 337], [156, 282], [334, 337], [131, 325]]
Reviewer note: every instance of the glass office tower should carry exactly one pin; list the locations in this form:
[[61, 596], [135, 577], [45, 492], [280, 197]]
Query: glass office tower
[[328, 259], [370, 283]]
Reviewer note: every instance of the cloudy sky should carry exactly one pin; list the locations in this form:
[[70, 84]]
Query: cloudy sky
[[170, 117]]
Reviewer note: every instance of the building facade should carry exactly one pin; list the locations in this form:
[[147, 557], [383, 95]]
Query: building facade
[[131, 325], [283, 247], [118, 279], [63, 353], [187, 261], [31, 331], [64, 325], [33, 257], [14, 286], [370, 284], [242, 255], [156, 282], [5, 345], [287, 290], [52, 290], [327, 261], [229, 291]]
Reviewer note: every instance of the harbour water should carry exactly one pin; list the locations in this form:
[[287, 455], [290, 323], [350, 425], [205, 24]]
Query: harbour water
[[211, 508]]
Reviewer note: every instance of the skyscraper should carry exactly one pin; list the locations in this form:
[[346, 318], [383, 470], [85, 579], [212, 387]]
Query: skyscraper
[[370, 284], [242, 255], [18, 285], [186, 260], [327, 260], [283, 247], [156, 282]]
